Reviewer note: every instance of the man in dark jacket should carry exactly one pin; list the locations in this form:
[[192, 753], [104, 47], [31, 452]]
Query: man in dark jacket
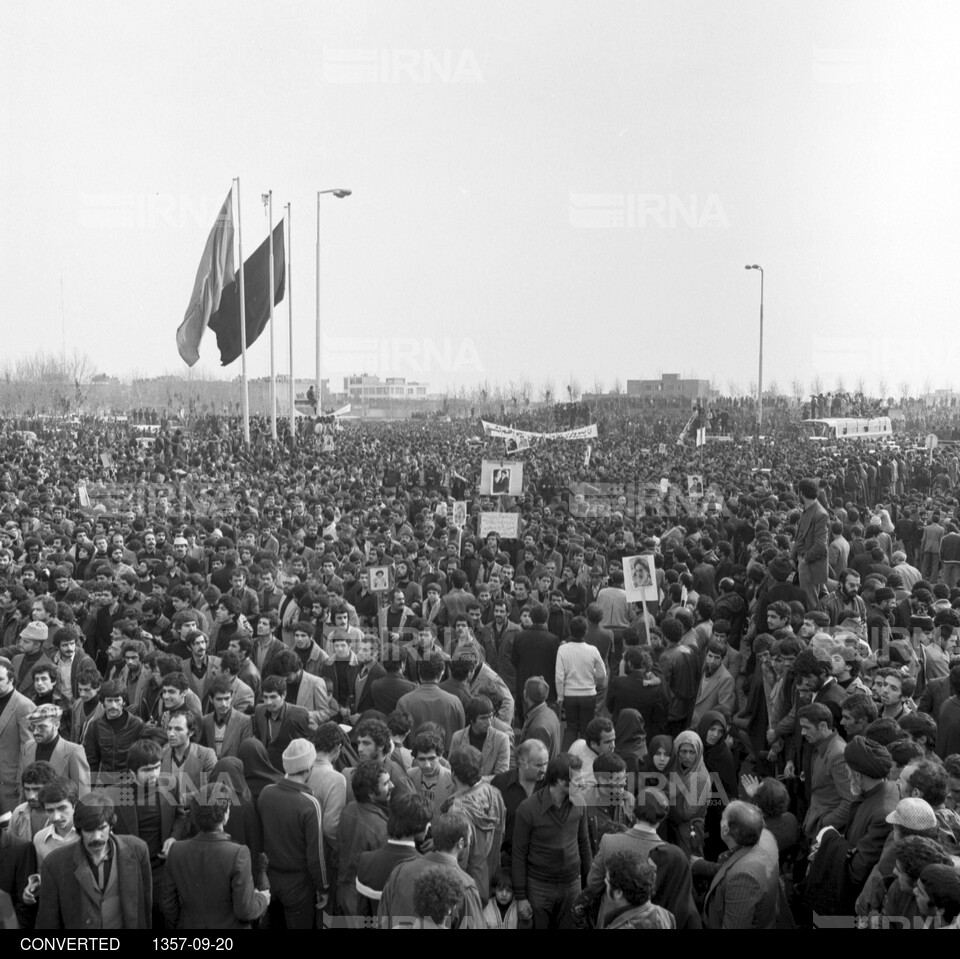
[[535, 652], [208, 881], [294, 841], [109, 738], [387, 691], [276, 722], [636, 691]]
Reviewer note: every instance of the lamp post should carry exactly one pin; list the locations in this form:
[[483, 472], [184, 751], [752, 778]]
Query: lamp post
[[754, 266], [339, 193]]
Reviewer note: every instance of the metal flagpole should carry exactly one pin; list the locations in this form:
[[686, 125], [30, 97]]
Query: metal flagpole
[[268, 202], [317, 385], [244, 392], [292, 387]]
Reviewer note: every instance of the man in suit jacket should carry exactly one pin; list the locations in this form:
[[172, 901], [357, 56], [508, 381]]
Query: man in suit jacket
[[225, 728], [200, 668], [276, 722], [266, 646], [811, 547], [370, 670], [65, 639], [495, 752], [69, 760], [498, 640], [716, 686], [304, 690], [637, 689], [13, 736], [535, 651], [79, 893], [208, 880], [390, 688], [829, 784], [541, 721], [183, 760], [745, 889]]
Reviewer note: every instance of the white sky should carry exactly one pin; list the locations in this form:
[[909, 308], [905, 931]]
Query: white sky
[[485, 142]]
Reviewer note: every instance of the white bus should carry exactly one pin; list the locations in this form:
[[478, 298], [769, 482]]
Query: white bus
[[848, 428]]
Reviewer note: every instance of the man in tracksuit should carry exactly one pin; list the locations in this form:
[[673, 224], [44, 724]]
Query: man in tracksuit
[[294, 841]]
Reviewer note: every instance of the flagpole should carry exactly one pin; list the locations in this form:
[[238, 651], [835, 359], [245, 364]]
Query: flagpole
[[317, 384], [268, 201], [292, 387], [244, 393]]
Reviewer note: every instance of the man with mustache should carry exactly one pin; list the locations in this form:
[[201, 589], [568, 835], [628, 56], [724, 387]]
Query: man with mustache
[[101, 882]]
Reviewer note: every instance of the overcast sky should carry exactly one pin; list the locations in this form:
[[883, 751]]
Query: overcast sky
[[541, 189]]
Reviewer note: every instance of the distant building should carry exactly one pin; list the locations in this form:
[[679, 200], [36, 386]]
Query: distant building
[[670, 386], [371, 389]]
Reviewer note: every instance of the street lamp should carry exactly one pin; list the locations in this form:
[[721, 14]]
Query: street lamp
[[754, 266], [339, 193]]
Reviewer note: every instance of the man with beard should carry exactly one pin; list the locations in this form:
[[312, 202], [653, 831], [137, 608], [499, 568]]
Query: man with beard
[[67, 759], [845, 603], [841, 863], [101, 882], [498, 639], [716, 685]]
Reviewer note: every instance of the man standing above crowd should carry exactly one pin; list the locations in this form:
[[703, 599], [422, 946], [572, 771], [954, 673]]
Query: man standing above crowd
[[810, 549]]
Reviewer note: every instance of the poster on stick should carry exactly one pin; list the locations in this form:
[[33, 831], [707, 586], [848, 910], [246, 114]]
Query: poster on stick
[[505, 525], [504, 478], [640, 579]]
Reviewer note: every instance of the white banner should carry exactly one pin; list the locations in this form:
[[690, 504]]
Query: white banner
[[583, 433], [505, 525]]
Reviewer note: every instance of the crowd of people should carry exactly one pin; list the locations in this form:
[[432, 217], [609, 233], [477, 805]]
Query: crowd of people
[[276, 686]]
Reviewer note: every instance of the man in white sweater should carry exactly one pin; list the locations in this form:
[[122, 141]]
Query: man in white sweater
[[579, 668]]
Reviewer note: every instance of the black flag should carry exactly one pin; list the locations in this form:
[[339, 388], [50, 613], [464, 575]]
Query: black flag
[[256, 282]]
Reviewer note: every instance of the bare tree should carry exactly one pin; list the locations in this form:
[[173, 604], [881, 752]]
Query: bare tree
[[840, 388], [904, 388], [734, 387], [816, 385], [547, 392], [927, 386], [617, 387], [773, 389], [796, 389], [597, 384], [860, 386], [573, 388], [882, 386], [81, 371]]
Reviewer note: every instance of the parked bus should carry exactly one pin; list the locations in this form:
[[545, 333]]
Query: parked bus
[[849, 428]]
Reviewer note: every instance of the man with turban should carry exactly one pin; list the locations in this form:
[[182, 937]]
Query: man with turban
[[841, 864]]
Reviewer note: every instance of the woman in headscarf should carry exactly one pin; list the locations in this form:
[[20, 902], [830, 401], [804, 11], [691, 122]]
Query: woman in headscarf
[[723, 770], [631, 741], [244, 825], [688, 790], [257, 770]]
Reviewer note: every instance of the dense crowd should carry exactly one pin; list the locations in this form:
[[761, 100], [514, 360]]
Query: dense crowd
[[277, 686]]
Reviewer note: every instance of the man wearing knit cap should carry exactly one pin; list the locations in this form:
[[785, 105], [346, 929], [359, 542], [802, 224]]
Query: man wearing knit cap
[[294, 842], [31, 642]]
